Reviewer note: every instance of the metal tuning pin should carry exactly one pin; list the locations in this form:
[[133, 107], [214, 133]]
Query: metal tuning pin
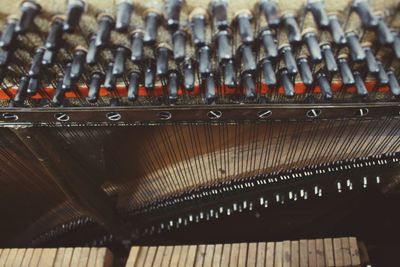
[[59, 94], [49, 56], [204, 60], [110, 80], [210, 88], [188, 75], [162, 57], [329, 58], [292, 28], [137, 46], [360, 85], [305, 71], [362, 8], [123, 16], [179, 45], [8, 37], [248, 85], [229, 73], [268, 73], [151, 20], [393, 83], [345, 71], [268, 43], [356, 52], [133, 85], [74, 13], [54, 37], [22, 90], [396, 44], [96, 79], [197, 20], [311, 41], [248, 62], [219, 11], [149, 75], [287, 83], [269, 9], [34, 70], [245, 28], [370, 59], [29, 10], [317, 9], [120, 56], [336, 30], [385, 36], [92, 51], [288, 58], [172, 13], [382, 75], [33, 86], [67, 81], [324, 86], [173, 85], [77, 62], [223, 40], [105, 23]]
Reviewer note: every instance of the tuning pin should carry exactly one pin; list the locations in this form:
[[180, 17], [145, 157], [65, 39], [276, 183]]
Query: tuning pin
[[288, 58], [22, 90], [49, 56], [243, 24], [329, 58], [29, 10], [149, 75], [137, 46], [36, 62], [151, 21], [370, 59], [77, 62], [133, 85], [172, 13], [32, 86], [197, 20], [8, 37], [188, 75], [124, 13], [204, 60], [5, 56], [269, 8], [393, 83], [292, 28], [219, 13], [324, 86], [210, 88], [58, 97], [74, 13], [345, 71], [94, 86], [105, 24], [336, 30], [54, 37], [268, 73], [179, 45], [385, 36], [382, 76], [356, 52], [110, 80], [229, 74], [396, 44], [248, 63], [92, 51], [269, 44], [223, 40], [359, 83], [310, 38], [362, 8], [163, 54], [67, 81], [305, 71], [287, 83], [173, 85], [121, 53], [248, 85], [317, 9]]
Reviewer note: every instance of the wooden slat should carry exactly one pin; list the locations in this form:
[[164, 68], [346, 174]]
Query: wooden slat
[[92, 257], [167, 256], [337, 251], [4, 255], [355, 255], [226, 255], [278, 258], [328, 252], [208, 258], [295, 254], [67, 257], [346, 251], [183, 256], [303, 253], [159, 256], [200, 254], [11, 257], [48, 257], [150, 256], [261, 254], [234, 258], [252, 255], [217, 255], [27, 257], [35, 257], [319, 250], [191, 256], [104, 258], [84, 257], [242, 255], [133, 255], [175, 258], [142, 256], [270, 254], [19, 257], [59, 257], [312, 255], [286, 254], [76, 254]]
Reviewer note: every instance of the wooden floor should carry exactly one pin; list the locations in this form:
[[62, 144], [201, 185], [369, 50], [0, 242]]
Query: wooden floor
[[317, 252]]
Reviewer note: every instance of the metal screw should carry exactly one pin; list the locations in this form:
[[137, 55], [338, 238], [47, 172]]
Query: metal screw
[[263, 114], [313, 113], [10, 116], [164, 115], [214, 114], [113, 116], [61, 117], [362, 112]]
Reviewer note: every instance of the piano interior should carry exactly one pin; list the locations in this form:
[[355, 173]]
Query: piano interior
[[181, 122]]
